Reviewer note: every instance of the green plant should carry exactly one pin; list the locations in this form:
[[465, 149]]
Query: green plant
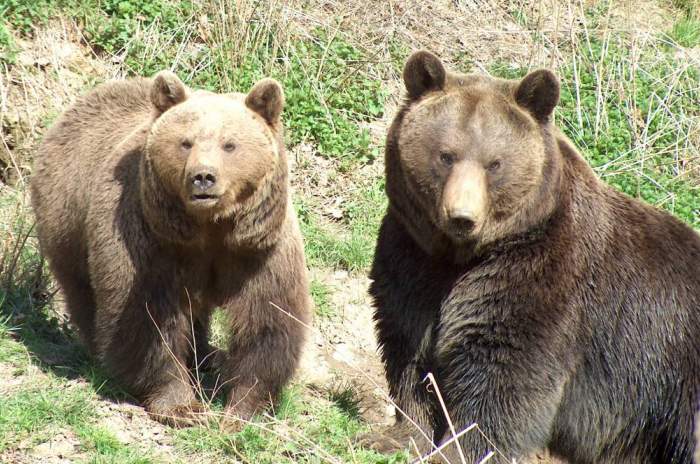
[[8, 47], [321, 296], [30, 410], [25, 15], [327, 96], [104, 447], [349, 245], [686, 32], [313, 430], [110, 25], [691, 8], [346, 398]]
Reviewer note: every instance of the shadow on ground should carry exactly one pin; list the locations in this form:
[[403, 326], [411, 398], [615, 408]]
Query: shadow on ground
[[31, 306], [28, 305]]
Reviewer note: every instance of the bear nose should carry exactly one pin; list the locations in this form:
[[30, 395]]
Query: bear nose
[[203, 178], [462, 220]]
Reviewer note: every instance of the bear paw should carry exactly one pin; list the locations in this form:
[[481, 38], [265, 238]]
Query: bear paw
[[182, 415], [395, 438], [237, 417]]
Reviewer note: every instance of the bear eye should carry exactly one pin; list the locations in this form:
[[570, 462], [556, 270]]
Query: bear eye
[[229, 146], [447, 159], [186, 144], [494, 166]]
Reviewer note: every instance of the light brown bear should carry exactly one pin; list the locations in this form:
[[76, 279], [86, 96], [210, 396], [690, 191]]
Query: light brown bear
[[155, 204], [553, 311]]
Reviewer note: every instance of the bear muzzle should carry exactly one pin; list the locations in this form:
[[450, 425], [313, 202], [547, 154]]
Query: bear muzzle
[[464, 200], [461, 220], [204, 190]]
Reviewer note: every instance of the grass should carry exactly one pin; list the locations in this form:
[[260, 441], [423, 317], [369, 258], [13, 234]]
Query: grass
[[629, 105], [34, 412], [41, 405], [300, 423], [320, 293], [686, 32], [690, 8], [102, 447], [25, 16], [347, 243]]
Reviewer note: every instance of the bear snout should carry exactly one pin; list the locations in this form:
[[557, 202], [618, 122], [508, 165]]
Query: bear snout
[[464, 200], [202, 182], [461, 221]]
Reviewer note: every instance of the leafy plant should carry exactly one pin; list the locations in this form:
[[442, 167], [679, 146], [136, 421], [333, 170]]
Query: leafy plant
[[25, 15], [110, 25], [8, 48]]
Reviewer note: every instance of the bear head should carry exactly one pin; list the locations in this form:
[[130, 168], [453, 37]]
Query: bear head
[[213, 158], [470, 157]]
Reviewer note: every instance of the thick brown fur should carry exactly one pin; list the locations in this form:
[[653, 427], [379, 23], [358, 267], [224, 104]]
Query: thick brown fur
[[144, 252], [554, 311]]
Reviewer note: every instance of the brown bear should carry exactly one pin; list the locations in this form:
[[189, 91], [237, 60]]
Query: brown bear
[[552, 310], [155, 204]]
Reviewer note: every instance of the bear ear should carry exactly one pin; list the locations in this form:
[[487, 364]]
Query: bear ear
[[538, 92], [167, 91], [422, 73], [267, 99]]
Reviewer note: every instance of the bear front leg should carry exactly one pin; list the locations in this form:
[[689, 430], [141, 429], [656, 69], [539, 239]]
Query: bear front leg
[[143, 336], [268, 317], [510, 386], [417, 409], [514, 416], [408, 287], [146, 346]]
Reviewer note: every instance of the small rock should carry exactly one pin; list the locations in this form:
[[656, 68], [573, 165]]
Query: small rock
[[343, 353], [56, 450]]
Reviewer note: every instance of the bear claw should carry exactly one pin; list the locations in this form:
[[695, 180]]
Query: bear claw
[[194, 413]]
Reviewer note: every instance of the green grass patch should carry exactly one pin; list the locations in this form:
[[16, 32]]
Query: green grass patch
[[329, 245], [23, 280], [11, 352], [44, 404], [329, 94], [312, 430], [349, 242], [320, 293], [110, 25], [35, 410], [691, 8], [323, 247], [363, 214], [8, 47], [328, 98], [24, 15], [686, 32], [345, 397], [103, 447]]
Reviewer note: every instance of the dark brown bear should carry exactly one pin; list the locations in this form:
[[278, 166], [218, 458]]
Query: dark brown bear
[[155, 204], [554, 311]]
